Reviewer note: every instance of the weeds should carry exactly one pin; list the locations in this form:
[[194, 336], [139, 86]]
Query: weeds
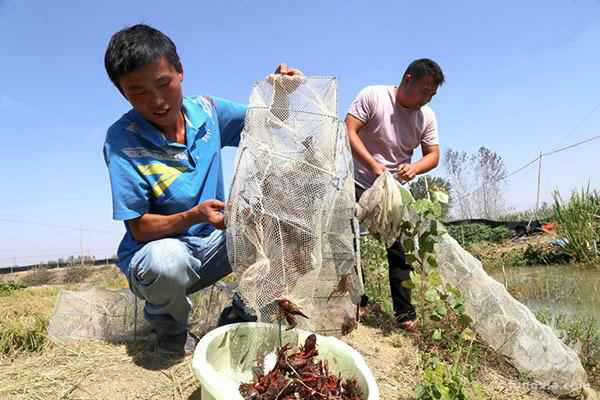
[[24, 317], [25, 333], [579, 223], [546, 255], [579, 333]]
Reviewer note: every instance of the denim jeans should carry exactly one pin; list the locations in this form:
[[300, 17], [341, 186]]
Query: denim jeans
[[165, 271]]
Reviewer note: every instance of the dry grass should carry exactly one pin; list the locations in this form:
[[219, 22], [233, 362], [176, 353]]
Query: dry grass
[[97, 370], [94, 370], [24, 319]]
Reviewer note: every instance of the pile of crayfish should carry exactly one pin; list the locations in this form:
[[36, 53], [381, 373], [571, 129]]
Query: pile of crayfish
[[298, 376]]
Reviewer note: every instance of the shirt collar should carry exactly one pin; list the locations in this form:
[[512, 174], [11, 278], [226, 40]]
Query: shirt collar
[[194, 114]]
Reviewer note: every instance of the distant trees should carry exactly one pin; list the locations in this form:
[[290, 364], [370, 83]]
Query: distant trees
[[477, 183]]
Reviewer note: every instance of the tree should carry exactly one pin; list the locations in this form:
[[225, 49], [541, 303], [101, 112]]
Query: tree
[[491, 173], [477, 183], [457, 164]]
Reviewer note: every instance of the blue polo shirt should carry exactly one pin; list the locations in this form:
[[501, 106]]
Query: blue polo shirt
[[150, 174]]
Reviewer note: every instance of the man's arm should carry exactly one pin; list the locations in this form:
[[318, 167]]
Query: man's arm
[[360, 152], [430, 160], [156, 226]]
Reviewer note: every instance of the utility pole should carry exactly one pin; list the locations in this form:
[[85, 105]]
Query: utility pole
[[81, 245], [539, 187]]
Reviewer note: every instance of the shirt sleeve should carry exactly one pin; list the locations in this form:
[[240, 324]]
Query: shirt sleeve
[[130, 191], [430, 134], [231, 120], [363, 106]]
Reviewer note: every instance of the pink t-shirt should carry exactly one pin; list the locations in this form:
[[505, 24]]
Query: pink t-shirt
[[392, 132]]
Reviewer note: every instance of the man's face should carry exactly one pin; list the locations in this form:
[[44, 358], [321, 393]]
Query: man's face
[[154, 91], [418, 92]]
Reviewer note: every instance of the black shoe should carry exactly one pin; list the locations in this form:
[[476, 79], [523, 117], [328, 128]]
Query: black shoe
[[236, 312], [178, 345]]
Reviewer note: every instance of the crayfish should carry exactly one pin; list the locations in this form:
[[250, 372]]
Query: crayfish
[[297, 376], [288, 311]]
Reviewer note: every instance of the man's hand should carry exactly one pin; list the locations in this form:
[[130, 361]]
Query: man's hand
[[211, 211], [283, 69], [406, 172], [377, 169]]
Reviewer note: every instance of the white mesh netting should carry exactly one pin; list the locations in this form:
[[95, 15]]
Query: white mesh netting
[[504, 323], [291, 231], [111, 315], [96, 313]]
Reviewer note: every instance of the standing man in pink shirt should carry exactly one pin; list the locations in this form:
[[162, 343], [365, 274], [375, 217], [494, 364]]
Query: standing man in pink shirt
[[385, 125]]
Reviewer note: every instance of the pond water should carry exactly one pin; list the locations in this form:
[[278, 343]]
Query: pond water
[[561, 289]]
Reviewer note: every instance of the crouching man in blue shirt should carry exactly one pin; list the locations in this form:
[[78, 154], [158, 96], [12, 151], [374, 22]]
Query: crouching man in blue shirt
[[164, 163]]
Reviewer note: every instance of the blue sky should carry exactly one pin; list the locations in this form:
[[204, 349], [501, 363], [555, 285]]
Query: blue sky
[[521, 78]]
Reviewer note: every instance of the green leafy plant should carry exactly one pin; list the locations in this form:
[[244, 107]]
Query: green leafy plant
[[440, 308], [445, 381]]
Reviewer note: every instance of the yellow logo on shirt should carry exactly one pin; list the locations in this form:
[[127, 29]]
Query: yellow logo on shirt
[[166, 176]]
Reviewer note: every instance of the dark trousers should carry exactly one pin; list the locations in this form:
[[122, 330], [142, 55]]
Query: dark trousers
[[399, 271]]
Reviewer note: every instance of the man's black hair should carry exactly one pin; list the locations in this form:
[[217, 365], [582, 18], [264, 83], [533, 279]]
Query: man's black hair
[[425, 67], [136, 46]]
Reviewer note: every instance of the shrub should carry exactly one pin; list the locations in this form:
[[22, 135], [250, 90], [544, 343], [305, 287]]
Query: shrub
[[37, 277], [76, 274], [7, 288], [541, 254], [467, 234]]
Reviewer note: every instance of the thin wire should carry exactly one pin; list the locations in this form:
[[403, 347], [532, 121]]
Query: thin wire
[[502, 178], [581, 121], [75, 228], [571, 146], [561, 149]]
